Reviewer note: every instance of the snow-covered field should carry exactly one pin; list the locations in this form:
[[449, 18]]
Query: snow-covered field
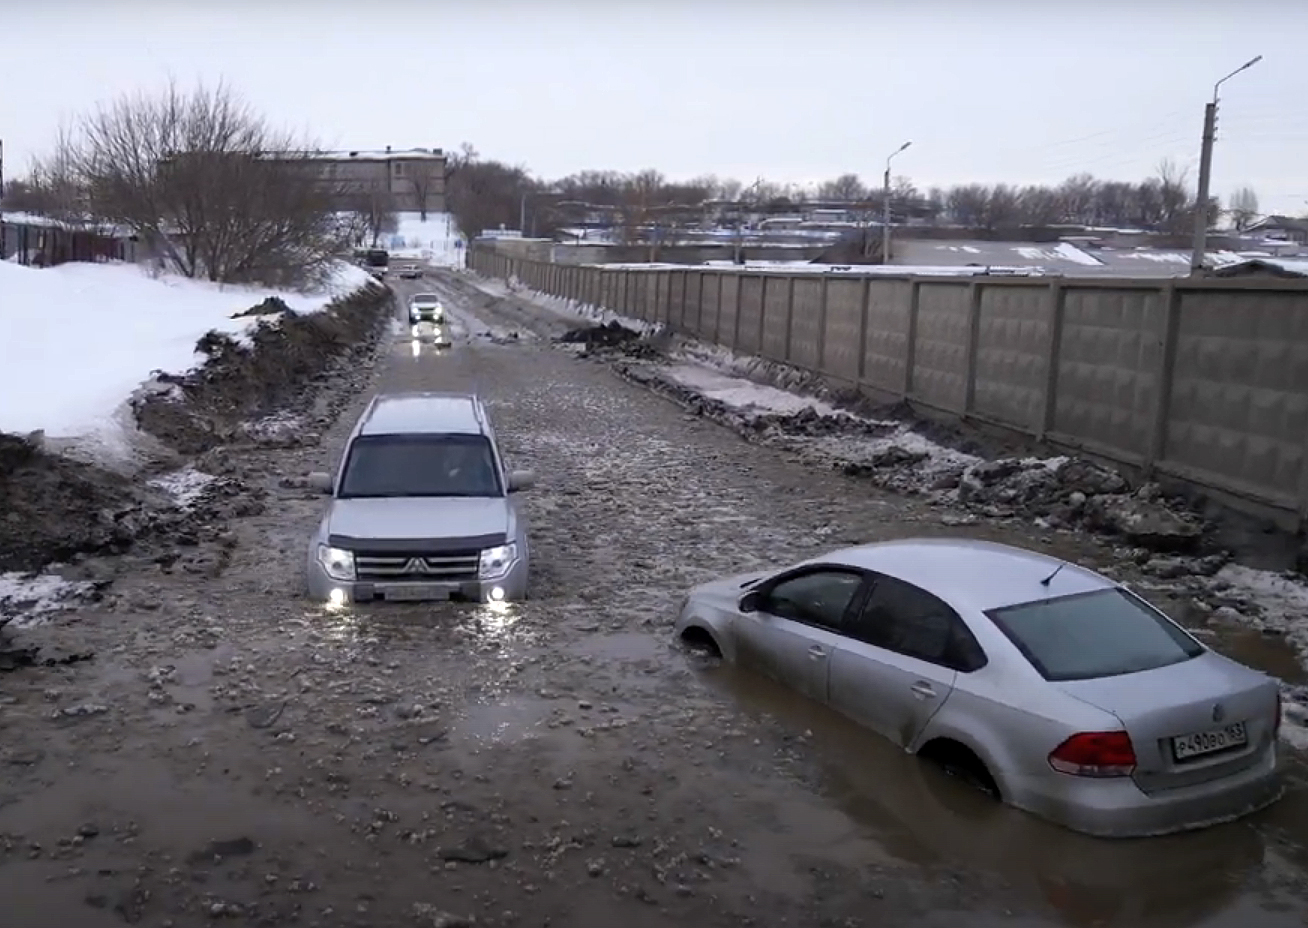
[[436, 240], [81, 338]]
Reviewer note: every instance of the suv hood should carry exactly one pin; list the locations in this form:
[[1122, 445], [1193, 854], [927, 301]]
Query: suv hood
[[429, 524]]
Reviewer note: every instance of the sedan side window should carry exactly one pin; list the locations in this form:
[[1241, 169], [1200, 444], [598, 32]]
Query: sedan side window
[[910, 621], [816, 598]]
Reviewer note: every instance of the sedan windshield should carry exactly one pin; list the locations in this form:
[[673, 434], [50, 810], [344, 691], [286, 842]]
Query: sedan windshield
[[1090, 635], [420, 465]]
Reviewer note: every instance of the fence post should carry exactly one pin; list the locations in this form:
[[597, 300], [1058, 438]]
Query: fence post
[[1049, 402], [790, 315], [717, 316], [699, 305], [974, 292], [863, 313], [1163, 377], [762, 312], [735, 327], [910, 344]]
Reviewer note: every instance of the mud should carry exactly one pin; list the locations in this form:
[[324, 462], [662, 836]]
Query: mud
[[288, 357], [235, 753]]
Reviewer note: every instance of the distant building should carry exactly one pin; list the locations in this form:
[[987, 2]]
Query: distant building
[[411, 177], [1281, 227], [414, 178]]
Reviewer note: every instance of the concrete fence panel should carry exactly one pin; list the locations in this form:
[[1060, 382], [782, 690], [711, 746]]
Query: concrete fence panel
[[840, 335], [1012, 352], [1107, 378], [775, 327], [806, 321], [749, 319], [730, 296], [1238, 409], [939, 376], [886, 343]]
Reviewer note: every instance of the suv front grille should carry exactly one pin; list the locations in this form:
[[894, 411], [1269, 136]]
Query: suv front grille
[[447, 567]]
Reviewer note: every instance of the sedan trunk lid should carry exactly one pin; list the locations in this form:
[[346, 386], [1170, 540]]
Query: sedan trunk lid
[[1207, 696]]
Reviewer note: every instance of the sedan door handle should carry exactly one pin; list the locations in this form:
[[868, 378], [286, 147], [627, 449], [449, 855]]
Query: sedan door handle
[[923, 690], [817, 652]]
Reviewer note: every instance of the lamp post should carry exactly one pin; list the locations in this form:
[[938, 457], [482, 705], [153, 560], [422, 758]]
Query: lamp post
[[885, 204], [1206, 170]]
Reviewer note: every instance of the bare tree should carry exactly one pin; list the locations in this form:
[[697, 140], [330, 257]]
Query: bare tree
[[425, 177], [1243, 208], [201, 178], [848, 188], [374, 212]]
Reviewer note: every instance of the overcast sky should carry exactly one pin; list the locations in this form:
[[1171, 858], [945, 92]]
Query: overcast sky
[[796, 91]]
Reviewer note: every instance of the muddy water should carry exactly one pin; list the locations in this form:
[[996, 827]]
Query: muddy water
[[265, 760]]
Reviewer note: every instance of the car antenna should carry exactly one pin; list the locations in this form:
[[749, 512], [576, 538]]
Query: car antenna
[[1047, 580]]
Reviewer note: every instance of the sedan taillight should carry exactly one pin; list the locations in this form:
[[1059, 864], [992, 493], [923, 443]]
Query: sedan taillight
[[1095, 754]]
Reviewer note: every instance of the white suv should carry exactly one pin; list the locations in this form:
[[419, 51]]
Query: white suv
[[422, 508]]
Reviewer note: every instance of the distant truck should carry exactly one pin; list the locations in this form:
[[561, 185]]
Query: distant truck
[[376, 260]]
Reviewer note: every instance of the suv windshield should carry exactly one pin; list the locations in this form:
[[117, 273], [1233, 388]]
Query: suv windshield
[[420, 465], [1090, 635]]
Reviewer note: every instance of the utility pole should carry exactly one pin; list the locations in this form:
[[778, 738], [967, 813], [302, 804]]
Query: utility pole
[[1206, 171], [522, 216], [885, 204]]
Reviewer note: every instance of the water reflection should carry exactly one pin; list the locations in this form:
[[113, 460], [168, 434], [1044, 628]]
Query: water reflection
[[926, 818]]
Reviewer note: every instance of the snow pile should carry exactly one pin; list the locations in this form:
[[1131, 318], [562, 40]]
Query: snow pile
[[436, 239], [82, 338], [27, 599]]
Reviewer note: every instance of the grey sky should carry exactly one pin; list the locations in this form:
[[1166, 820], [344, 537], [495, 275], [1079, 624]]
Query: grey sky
[[798, 91]]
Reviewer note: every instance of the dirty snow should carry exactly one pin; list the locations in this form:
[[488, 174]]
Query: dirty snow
[[1063, 251], [744, 395], [107, 327], [27, 600], [185, 486]]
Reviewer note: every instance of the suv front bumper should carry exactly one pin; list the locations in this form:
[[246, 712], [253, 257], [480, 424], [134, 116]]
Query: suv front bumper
[[509, 588]]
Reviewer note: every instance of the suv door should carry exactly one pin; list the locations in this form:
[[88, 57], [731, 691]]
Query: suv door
[[898, 660], [795, 626]]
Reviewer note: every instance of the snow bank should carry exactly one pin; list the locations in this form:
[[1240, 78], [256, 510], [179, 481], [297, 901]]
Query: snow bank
[[435, 240], [80, 338]]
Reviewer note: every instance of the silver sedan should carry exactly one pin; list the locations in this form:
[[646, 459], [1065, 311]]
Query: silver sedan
[[1049, 685]]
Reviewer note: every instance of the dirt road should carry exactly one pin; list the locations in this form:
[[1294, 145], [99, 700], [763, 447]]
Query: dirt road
[[236, 754]]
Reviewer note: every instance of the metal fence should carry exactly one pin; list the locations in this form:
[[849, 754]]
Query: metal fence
[[48, 245], [1205, 381]]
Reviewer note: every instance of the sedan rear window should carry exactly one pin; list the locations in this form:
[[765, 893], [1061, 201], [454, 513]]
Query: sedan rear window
[[1091, 635]]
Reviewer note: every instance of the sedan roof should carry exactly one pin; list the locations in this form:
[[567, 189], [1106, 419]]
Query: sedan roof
[[964, 572]]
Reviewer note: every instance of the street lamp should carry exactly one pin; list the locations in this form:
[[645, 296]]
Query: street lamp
[[885, 203], [1206, 170]]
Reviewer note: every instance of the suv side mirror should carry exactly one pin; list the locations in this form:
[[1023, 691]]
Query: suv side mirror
[[750, 601], [320, 481], [521, 480]]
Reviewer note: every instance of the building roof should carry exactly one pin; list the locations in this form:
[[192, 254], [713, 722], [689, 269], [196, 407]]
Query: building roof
[[1274, 267], [397, 154], [1279, 222], [1066, 258]]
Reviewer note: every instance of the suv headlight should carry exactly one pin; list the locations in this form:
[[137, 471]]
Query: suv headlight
[[497, 561], [337, 562]]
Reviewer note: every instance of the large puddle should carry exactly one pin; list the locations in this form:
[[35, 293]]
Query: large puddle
[[1240, 874]]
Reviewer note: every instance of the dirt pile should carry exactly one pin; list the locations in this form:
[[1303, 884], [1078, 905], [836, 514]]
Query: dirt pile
[[287, 359], [1064, 492]]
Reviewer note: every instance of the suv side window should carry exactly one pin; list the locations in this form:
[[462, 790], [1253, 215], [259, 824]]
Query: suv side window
[[818, 597], [908, 620]]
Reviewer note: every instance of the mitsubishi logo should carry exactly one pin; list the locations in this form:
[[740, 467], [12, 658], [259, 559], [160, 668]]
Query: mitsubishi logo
[[416, 565], [1219, 712]]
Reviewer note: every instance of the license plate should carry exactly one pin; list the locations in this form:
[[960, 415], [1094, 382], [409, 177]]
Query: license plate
[[1209, 742], [415, 593]]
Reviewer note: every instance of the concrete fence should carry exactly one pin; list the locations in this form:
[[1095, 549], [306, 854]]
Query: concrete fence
[[1205, 381]]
